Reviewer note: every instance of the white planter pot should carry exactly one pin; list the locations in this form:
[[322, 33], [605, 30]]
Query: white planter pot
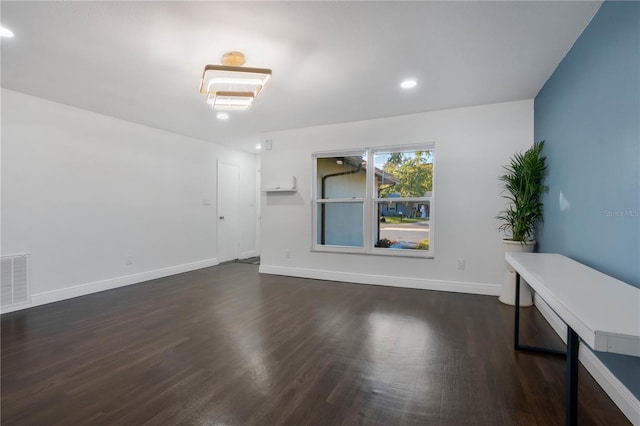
[[508, 292]]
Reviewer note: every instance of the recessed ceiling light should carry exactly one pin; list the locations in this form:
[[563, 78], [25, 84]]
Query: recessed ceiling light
[[222, 116], [5, 32], [408, 84], [258, 146]]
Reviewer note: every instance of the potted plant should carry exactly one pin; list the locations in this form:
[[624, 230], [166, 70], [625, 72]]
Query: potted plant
[[523, 184]]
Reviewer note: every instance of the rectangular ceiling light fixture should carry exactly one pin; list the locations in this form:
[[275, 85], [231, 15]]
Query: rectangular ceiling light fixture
[[232, 87]]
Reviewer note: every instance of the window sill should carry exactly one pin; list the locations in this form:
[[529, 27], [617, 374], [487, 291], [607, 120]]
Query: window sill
[[376, 252]]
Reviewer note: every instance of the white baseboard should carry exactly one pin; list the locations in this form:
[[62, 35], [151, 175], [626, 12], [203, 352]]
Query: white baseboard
[[621, 396], [420, 283], [248, 254], [108, 284]]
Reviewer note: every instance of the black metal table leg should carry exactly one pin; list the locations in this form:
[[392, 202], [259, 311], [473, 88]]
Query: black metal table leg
[[573, 343], [516, 331]]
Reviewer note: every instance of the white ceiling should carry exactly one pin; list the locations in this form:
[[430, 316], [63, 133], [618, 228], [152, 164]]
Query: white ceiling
[[332, 61]]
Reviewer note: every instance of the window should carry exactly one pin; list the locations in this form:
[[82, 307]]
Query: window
[[339, 198], [385, 209]]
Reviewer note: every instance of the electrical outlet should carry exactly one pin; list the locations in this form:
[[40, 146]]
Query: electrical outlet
[[460, 264], [287, 253], [128, 260]]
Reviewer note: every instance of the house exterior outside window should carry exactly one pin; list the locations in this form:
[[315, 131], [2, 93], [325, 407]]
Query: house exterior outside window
[[374, 201]]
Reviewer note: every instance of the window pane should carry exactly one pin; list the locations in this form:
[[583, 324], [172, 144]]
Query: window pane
[[403, 174], [341, 177], [340, 224], [406, 227]]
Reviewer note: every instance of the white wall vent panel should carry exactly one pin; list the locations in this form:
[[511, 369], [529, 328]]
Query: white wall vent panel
[[14, 280]]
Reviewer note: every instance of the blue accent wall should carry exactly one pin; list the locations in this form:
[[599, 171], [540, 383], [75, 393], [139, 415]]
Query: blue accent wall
[[589, 114]]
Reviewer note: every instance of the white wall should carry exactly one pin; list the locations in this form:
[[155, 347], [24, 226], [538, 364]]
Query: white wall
[[471, 145], [81, 191]]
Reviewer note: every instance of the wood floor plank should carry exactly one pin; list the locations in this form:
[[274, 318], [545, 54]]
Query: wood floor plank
[[226, 345]]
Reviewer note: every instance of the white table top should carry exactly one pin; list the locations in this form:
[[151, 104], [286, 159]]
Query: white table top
[[603, 311]]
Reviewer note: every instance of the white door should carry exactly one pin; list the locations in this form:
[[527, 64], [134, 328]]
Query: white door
[[228, 212]]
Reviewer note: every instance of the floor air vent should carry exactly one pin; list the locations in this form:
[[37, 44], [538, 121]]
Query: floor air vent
[[14, 280]]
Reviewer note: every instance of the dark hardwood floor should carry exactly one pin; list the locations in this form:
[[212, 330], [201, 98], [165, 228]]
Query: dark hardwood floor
[[227, 346]]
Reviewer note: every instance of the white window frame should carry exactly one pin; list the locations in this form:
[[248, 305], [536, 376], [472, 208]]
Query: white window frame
[[315, 202], [369, 204]]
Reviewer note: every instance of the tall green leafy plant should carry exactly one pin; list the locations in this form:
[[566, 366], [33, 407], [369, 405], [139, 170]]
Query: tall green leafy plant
[[523, 184]]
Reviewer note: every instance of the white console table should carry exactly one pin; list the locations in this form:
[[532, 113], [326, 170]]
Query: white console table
[[600, 310]]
